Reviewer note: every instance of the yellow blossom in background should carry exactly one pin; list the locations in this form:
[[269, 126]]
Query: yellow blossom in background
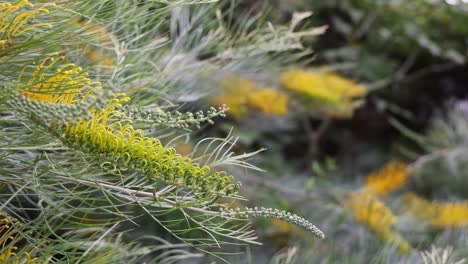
[[112, 136], [102, 41], [184, 149], [419, 207], [240, 95], [269, 101], [445, 215], [235, 95], [99, 58], [451, 215], [327, 89], [286, 227], [309, 84], [391, 177], [367, 209]]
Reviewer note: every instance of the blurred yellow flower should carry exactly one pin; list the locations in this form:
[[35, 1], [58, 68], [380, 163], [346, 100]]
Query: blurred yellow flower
[[235, 95], [184, 149], [391, 177], [451, 215], [419, 207], [327, 89], [438, 214], [367, 209], [269, 101], [101, 42], [241, 94]]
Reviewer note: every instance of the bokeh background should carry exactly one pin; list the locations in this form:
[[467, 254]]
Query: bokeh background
[[366, 135]]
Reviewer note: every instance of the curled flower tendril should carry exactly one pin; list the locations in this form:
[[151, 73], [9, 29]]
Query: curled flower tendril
[[121, 143], [14, 17], [60, 87], [110, 134], [11, 231]]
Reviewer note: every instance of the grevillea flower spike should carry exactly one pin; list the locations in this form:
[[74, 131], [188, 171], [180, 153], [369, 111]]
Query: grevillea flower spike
[[110, 135]]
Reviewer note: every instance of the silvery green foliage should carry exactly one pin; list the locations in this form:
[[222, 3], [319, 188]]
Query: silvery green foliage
[[440, 256], [445, 143], [175, 119], [272, 213], [86, 199]]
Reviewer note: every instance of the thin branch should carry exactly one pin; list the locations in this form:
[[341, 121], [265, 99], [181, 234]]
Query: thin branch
[[133, 193]]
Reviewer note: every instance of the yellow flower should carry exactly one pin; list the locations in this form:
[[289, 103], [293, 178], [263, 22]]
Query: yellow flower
[[445, 215], [367, 209], [11, 231], [451, 215], [391, 177], [13, 18], [241, 94], [61, 86], [235, 95], [420, 207], [335, 94], [269, 101]]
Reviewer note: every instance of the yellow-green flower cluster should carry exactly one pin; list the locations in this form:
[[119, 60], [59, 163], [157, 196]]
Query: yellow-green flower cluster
[[445, 215], [240, 95], [14, 19], [332, 94], [111, 135], [392, 176], [118, 141]]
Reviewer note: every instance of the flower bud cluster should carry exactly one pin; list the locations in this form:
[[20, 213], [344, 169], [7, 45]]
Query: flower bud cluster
[[116, 140], [50, 113], [271, 213], [175, 119]]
